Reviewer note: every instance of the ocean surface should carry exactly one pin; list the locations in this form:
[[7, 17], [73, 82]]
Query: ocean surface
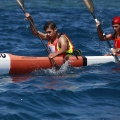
[[86, 93]]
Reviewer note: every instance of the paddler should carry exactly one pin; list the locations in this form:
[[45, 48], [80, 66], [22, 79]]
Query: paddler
[[58, 43], [115, 36]]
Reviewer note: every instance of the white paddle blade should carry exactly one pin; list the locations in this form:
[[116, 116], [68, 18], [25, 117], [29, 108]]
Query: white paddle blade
[[89, 4], [20, 3]]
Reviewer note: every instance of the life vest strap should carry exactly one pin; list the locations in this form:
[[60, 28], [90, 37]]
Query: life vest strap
[[76, 53]]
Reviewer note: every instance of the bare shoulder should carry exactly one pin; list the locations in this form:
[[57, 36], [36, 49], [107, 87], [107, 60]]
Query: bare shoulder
[[62, 37]]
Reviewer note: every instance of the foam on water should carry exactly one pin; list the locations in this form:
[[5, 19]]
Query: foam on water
[[52, 71]]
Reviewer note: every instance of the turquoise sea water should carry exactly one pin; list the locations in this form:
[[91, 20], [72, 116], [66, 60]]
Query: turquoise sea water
[[86, 93]]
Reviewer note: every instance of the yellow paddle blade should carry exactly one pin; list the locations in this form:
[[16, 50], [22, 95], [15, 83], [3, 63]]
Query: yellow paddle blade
[[89, 4]]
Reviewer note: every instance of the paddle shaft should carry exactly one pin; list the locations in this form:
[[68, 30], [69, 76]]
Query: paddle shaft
[[37, 32], [53, 61]]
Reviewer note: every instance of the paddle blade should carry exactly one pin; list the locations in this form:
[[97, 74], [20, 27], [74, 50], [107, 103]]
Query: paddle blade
[[20, 3], [89, 4]]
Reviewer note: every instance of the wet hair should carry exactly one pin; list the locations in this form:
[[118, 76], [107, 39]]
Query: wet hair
[[50, 25]]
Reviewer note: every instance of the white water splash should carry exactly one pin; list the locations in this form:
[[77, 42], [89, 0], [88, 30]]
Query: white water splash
[[62, 69]]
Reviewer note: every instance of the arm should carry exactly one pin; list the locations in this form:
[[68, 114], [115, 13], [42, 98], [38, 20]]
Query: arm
[[42, 35], [100, 32], [106, 37], [63, 42]]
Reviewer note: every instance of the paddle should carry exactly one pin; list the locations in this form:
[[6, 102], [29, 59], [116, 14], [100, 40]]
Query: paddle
[[21, 5], [89, 4]]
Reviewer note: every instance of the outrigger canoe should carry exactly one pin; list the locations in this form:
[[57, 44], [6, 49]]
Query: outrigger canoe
[[14, 64]]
